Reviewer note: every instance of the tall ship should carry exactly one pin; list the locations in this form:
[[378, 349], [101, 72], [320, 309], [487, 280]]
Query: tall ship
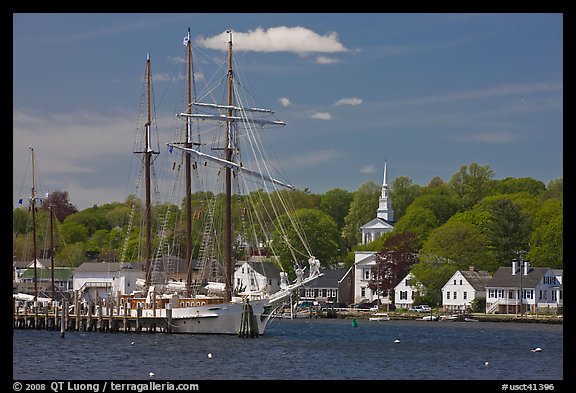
[[233, 203]]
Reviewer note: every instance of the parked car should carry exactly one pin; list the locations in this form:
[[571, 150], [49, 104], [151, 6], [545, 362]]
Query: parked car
[[363, 306], [421, 308]]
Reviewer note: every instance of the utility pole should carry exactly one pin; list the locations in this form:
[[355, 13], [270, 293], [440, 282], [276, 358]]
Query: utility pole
[[521, 262]]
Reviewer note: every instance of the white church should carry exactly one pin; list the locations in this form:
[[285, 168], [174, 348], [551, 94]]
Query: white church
[[384, 221], [361, 271]]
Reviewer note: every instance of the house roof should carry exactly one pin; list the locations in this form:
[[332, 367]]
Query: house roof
[[476, 279], [329, 279], [60, 273], [40, 263], [108, 267], [503, 278], [378, 223]]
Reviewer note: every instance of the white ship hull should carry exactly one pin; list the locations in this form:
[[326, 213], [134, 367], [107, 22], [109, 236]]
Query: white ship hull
[[223, 318]]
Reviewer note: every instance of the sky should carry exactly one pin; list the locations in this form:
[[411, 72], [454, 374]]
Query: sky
[[426, 93]]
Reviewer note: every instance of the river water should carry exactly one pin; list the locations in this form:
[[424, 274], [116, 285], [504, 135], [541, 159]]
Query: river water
[[301, 349]]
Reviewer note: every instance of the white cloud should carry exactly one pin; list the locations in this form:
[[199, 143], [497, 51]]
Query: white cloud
[[368, 169], [277, 39], [349, 101], [284, 101], [326, 60], [321, 116]]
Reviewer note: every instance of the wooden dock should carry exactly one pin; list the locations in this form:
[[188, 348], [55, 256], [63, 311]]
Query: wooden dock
[[101, 318]]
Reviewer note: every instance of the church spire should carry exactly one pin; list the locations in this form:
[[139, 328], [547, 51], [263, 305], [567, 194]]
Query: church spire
[[385, 203]]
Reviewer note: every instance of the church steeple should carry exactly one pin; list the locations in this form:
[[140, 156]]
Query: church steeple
[[385, 210]]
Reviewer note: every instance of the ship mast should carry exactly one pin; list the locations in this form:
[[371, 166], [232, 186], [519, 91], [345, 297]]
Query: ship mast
[[147, 164], [188, 144], [33, 208], [52, 251], [228, 155]]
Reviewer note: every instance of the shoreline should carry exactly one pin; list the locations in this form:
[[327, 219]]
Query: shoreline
[[472, 317]]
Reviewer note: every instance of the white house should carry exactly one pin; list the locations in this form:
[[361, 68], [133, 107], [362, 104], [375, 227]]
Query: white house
[[522, 288], [384, 221], [257, 277], [364, 261], [108, 279], [404, 293], [463, 287]]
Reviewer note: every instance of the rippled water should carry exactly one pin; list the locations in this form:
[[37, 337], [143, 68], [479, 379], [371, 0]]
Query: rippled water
[[302, 349]]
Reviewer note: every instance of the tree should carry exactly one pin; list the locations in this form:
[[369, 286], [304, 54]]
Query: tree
[[20, 221], [472, 183], [393, 262], [441, 200], [362, 209], [60, 204], [418, 220], [436, 181], [317, 229], [461, 242], [555, 189], [336, 203], [508, 228], [512, 185], [403, 192], [546, 240]]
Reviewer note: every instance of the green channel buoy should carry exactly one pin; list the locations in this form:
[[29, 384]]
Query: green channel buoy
[[354, 323]]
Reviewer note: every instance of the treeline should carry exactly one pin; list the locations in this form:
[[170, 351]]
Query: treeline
[[472, 219]]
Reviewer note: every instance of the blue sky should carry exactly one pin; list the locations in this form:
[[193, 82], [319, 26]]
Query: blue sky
[[428, 93]]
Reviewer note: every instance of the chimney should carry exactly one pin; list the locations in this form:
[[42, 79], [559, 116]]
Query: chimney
[[471, 268], [514, 266]]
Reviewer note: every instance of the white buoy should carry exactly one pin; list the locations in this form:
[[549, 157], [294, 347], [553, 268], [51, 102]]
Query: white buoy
[[396, 341], [132, 343], [151, 374], [209, 356], [538, 349], [486, 363]]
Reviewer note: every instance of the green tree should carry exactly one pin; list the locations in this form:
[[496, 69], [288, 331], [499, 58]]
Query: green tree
[[462, 243], [508, 228], [336, 203], [441, 200], [418, 220], [403, 191], [72, 255], [555, 189], [20, 221], [362, 209], [73, 232], [316, 233], [512, 185], [546, 240], [472, 183]]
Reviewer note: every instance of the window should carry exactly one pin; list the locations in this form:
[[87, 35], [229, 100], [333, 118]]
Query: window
[[366, 274], [455, 295], [460, 281], [447, 294], [363, 292], [465, 295], [454, 281]]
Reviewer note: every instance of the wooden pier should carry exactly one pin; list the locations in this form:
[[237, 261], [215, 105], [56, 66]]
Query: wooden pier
[[95, 318]]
